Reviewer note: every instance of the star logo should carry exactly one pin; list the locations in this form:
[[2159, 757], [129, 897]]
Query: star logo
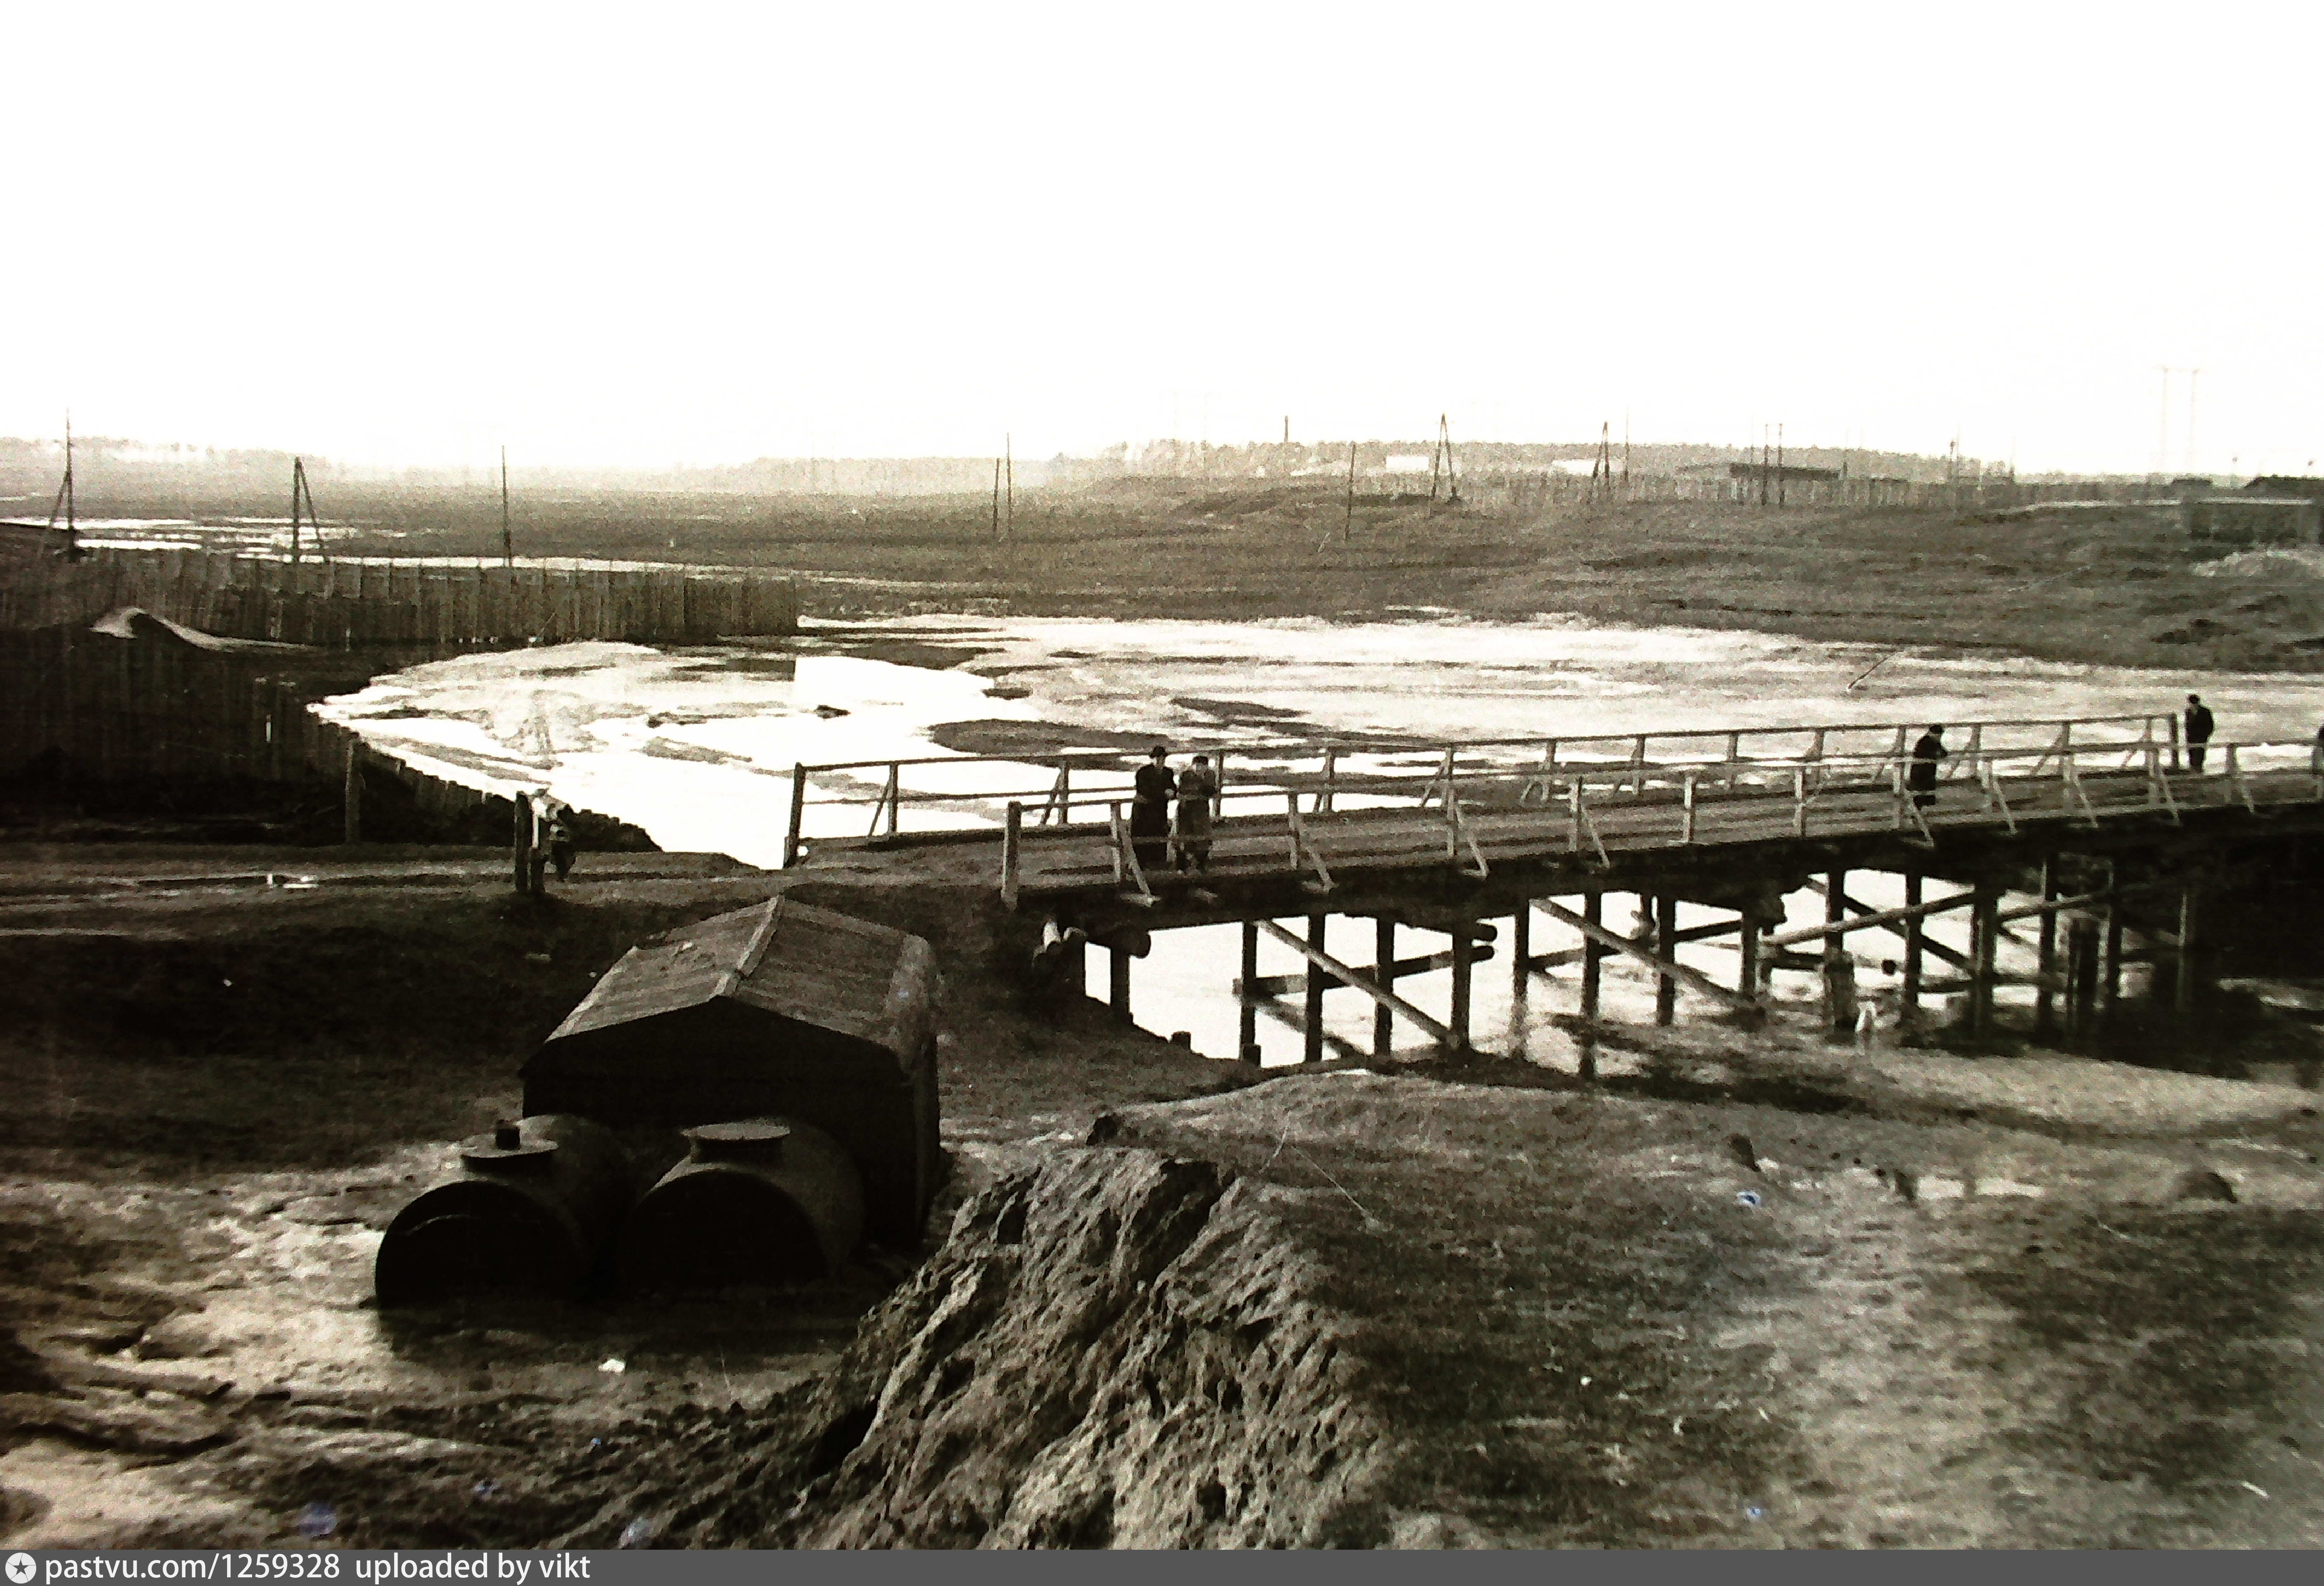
[[21, 1568]]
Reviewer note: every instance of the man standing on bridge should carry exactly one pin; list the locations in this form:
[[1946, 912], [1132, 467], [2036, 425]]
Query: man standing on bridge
[[1150, 811], [1926, 755], [2198, 731]]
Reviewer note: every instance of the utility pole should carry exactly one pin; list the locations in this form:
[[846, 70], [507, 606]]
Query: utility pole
[[1779, 465], [1008, 466], [508, 547], [1765, 452], [297, 478], [996, 500], [1348, 530], [64, 503], [1625, 453]]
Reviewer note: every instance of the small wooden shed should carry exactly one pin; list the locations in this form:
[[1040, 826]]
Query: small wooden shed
[[778, 1010]]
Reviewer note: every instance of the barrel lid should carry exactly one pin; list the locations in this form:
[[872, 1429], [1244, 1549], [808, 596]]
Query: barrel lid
[[742, 1137]]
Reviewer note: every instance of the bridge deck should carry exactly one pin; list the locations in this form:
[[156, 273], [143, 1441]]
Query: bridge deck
[[1077, 869]]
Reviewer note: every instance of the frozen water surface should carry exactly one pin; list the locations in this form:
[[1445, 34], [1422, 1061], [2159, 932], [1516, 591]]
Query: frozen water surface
[[697, 747]]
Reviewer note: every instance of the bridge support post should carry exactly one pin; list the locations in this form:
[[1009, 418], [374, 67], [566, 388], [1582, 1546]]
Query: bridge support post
[[1838, 963], [1384, 972], [1246, 1025], [1464, 971], [1985, 932], [1594, 906], [1521, 950], [2081, 975], [2046, 954], [1746, 972], [1118, 981], [1908, 1014], [2182, 997], [1665, 933], [2110, 971], [1312, 1026]]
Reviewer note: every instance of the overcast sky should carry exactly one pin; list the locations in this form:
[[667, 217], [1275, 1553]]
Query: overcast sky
[[647, 234]]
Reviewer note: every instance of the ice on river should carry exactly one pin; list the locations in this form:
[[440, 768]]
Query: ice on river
[[697, 747]]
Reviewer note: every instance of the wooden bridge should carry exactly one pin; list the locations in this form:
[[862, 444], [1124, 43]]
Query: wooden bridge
[[2089, 817]]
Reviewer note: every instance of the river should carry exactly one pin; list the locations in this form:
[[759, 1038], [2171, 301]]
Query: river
[[696, 746]]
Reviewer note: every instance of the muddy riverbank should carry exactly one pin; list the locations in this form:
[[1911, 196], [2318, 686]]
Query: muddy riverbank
[[1761, 1290]]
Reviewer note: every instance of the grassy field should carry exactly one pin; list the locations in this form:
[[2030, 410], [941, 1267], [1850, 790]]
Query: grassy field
[[2112, 585]]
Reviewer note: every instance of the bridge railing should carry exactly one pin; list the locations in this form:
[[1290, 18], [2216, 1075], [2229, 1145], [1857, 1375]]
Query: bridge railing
[[974, 789], [1665, 804]]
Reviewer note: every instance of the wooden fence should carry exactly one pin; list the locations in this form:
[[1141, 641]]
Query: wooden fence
[[1534, 491], [84, 709], [348, 605]]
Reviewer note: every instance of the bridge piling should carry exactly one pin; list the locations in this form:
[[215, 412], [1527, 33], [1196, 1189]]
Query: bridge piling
[[2110, 971], [1316, 983], [1246, 1025], [1521, 950], [1384, 958], [1592, 911], [1908, 1016], [1464, 966], [1118, 980], [2182, 998], [2046, 952], [1666, 946], [1985, 934]]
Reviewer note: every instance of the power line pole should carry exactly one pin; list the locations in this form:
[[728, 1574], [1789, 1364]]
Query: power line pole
[[297, 484], [1009, 465], [1348, 530], [508, 547], [64, 503], [1779, 465]]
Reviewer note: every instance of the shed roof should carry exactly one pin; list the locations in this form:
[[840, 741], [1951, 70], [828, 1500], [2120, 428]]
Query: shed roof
[[813, 965]]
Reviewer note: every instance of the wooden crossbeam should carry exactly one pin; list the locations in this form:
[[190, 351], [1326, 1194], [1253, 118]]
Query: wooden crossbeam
[[1867, 920], [1933, 948], [1668, 968], [1283, 985], [1356, 978]]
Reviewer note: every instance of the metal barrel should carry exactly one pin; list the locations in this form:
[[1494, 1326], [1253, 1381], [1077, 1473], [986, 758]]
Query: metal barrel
[[758, 1201], [535, 1208]]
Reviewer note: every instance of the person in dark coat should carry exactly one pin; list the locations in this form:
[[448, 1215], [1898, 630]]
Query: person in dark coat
[[2198, 731], [1150, 811], [1927, 755]]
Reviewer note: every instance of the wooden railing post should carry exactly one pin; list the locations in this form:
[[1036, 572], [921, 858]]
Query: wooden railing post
[[1686, 831], [798, 815]]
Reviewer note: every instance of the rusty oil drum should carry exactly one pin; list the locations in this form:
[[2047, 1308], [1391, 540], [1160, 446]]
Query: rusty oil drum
[[757, 1201], [535, 1209]]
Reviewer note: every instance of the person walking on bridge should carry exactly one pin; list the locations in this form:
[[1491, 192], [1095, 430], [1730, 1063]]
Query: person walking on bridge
[[1198, 784], [1927, 755], [2198, 731], [1150, 810]]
